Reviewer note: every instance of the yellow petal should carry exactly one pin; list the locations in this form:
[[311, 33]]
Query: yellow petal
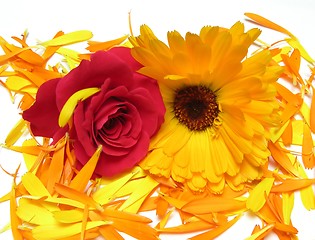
[[261, 233], [19, 84], [71, 57], [307, 194], [297, 45], [287, 207], [108, 192], [30, 159], [5, 228], [298, 127], [16, 132], [33, 185], [48, 232], [15, 221], [277, 132], [68, 108], [32, 212], [133, 203], [69, 38], [66, 52], [127, 189], [306, 112], [58, 201], [256, 199], [69, 216]]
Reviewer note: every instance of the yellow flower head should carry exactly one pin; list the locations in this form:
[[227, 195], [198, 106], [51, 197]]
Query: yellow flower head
[[220, 105]]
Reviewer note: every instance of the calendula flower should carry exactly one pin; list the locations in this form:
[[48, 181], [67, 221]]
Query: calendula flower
[[220, 105]]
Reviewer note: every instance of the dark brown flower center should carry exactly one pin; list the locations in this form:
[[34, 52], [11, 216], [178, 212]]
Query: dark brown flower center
[[195, 107]]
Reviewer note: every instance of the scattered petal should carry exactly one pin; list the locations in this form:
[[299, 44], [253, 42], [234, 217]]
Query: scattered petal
[[67, 110], [69, 38], [256, 199]]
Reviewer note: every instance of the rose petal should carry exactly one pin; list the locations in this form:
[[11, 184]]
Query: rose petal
[[125, 55], [43, 114], [93, 73], [109, 166], [83, 131], [152, 111]]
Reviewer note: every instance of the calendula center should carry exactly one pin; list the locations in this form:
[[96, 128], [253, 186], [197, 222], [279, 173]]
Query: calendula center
[[195, 107]]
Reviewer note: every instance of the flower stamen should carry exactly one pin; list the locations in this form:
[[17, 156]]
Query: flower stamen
[[195, 107]]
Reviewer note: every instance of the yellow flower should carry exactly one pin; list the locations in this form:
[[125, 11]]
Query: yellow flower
[[220, 106]]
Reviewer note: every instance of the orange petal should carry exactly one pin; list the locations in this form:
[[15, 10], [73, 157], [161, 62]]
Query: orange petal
[[83, 177], [213, 204], [269, 24], [162, 206], [149, 204], [97, 46], [50, 51], [217, 231], [188, 227], [290, 185], [293, 63], [165, 219], [135, 229], [312, 112], [293, 42], [24, 53], [109, 212], [56, 166], [109, 232], [287, 134], [84, 222], [282, 159], [285, 228], [77, 196], [33, 77]]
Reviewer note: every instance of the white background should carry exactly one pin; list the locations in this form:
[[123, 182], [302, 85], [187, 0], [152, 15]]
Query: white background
[[109, 20]]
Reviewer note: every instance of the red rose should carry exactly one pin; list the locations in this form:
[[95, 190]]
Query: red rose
[[122, 117]]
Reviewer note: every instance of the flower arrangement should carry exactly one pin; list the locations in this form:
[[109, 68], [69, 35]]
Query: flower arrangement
[[202, 126]]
